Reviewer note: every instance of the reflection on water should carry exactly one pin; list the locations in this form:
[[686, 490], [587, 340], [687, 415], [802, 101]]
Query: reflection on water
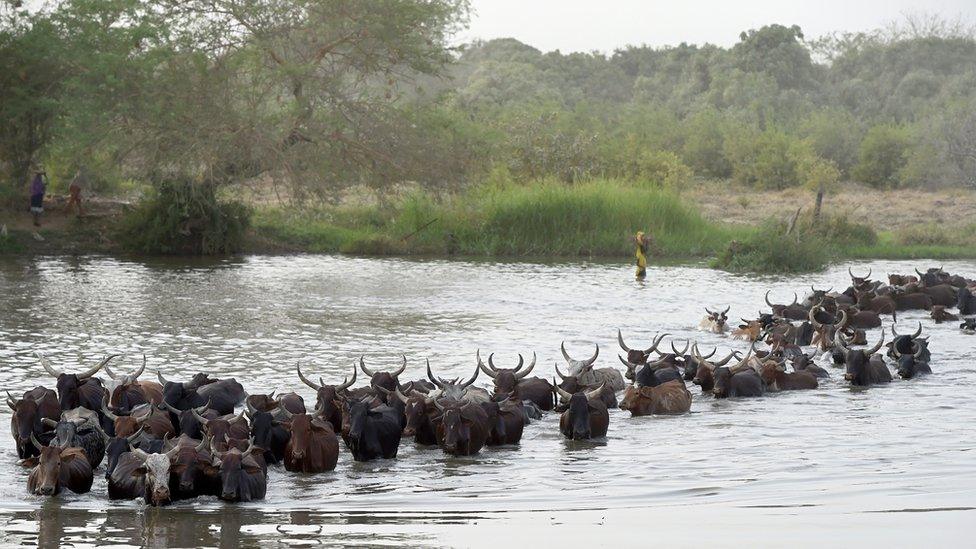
[[819, 460]]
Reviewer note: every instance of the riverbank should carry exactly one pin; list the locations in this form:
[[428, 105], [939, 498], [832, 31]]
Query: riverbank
[[546, 219]]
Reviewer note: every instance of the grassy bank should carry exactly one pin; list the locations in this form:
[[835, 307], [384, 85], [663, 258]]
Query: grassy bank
[[598, 218]]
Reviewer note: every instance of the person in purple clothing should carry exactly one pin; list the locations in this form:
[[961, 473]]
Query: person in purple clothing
[[37, 189]]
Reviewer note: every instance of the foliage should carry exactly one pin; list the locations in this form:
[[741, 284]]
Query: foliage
[[770, 250], [883, 153], [184, 218]]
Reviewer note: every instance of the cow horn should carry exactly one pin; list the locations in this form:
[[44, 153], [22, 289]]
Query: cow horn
[[430, 376], [917, 353], [919, 273], [520, 374], [305, 380], [878, 346], [162, 380], [711, 354], [109, 372], [727, 309], [47, 365], [139, 453], [11, 401], [595, 393], [564, 395], [204, 443], [811, 316], [169, 407], [402, 397], [725, 360], [362, 365], [214, 452], [403, 367], [795, 299], [247, 406], [49, 422], [843, 320], [710, 313], [108, 413], [918, 332], [839, 341], [132, 438], [438, 405], [346, 383], [142, 368], [683, 351], [628, 364], [471, 381], [384, 390], [202, 409], [94, 369], [767, 298], [37, 444], [657, 341], [488, 371], [558, 373], [620, 340], [203, 421]]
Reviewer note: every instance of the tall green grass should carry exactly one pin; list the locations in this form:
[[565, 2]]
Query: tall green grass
[[545, 218]]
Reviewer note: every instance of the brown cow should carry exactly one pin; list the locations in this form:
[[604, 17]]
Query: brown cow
[[59, 468], [514, 382], [313, 446], [325, 396], [671, 398], [776, 379]]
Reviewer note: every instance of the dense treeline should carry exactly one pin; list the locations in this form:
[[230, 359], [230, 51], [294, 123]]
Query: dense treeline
[[188, 97]]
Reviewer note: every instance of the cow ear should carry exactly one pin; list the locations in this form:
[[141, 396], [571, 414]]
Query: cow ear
[[252, 469], [30, 462], [140, 470]]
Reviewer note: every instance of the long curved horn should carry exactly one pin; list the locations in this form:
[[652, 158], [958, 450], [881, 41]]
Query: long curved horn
[[842, 322], [46, 364], [917, 353], [620, 341], [918, 332], [851, 272], [362, 366], [11, 401], [595, 393], [162, 380], [403, 367], [49, 422], [710, 313], [430, 376], [214, 452], [839, 342], [725, 360], [564, 395], [471, 381], [108, 413], [629, 365], [711, 354], [142, 368], [402, 397], [795, 299], [727, 309], [489, 372], [657, 341], [139, 453], [522, 373], [347, 383], [202, 409], [169, 407], [132, 438], [203, 421], [812, 316], [878, 346], [109, 372], [558, 373], [94, 369], [683, 351], [562, 347], [767, 298], [37, 444], [305, 380]]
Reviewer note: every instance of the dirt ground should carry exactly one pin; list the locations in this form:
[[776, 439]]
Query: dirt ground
[[882, 210]]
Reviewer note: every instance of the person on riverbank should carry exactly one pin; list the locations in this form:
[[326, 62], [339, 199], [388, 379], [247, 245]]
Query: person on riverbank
[[643, 243], [74, 194], [37, 189]]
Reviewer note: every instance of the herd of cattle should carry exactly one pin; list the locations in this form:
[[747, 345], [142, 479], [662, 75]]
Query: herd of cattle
[[175, 440]]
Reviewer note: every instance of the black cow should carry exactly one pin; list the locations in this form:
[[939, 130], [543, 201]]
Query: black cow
[[192, 472], [186, 421], [76, 390], [326, 395], [386, 380], [507, 420], [139, 474], [586, 414], [242, 477], [514, 381], [863, 367], [911, 365], [269, 435], [373, 432], [463, 428], [966, 302], [745, 382], [79, 433], [223, 395]]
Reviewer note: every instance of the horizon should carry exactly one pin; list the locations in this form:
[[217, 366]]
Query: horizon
[[586, 27]]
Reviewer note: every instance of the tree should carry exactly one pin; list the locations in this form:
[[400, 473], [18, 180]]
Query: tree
[[882, 155]]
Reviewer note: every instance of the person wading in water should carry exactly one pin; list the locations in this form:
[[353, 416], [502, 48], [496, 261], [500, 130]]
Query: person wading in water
[[37, 189], [643, 243]]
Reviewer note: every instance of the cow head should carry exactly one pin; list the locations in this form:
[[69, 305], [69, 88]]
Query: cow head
[[856, 360], [325, 395], [506, 380], [908, 364], [450, 389], [236, 470], [48, 471], [386, 380], [457, 431], [718, 319], [155, 469], [640, 356], [578, 411], [415, 410], [69, 385], [189, 463]]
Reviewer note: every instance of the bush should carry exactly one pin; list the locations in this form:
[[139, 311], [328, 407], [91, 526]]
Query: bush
[[771, 250], [882, 155], [185, 218], [768, 161]]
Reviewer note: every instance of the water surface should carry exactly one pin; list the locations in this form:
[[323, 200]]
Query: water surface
[[888, 465]]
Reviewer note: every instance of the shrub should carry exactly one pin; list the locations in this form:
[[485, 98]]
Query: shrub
[[770, 250], [882, 155], [768, 161], [185, 218]]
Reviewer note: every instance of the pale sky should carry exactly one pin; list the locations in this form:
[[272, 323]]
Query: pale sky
[[587, 25]]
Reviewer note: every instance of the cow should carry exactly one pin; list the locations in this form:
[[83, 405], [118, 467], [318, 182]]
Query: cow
[[652, 373], [880, 304], [373, 432], [859, 283], [126, 392], [154, 421], [901, 280], [863, 320], [715, 322], [276, 405], [325, 396], [749, 330], [223, 394], [940, 315], [941, 294], [776, 378], [912, 301], [588, 376], [457, 390], [738, 382], [242, 477], [586, 414], [192, 472], [506, 420], [968, 326], [514, 381], [76, 390], [793, 311], [816, 297], [823, 336], [59, 468], [805, 363], [640, 356], [386, 380], [908, 344], [79, 432], [571, 385], [863, 368], [29, 412], [186, 420], [140, 474], [115, 447], [313, 446], [931, 277], [233, 426], [649, 396], [463, 428], [270, 435], [966, 302], [911, 365], [420, 414]]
